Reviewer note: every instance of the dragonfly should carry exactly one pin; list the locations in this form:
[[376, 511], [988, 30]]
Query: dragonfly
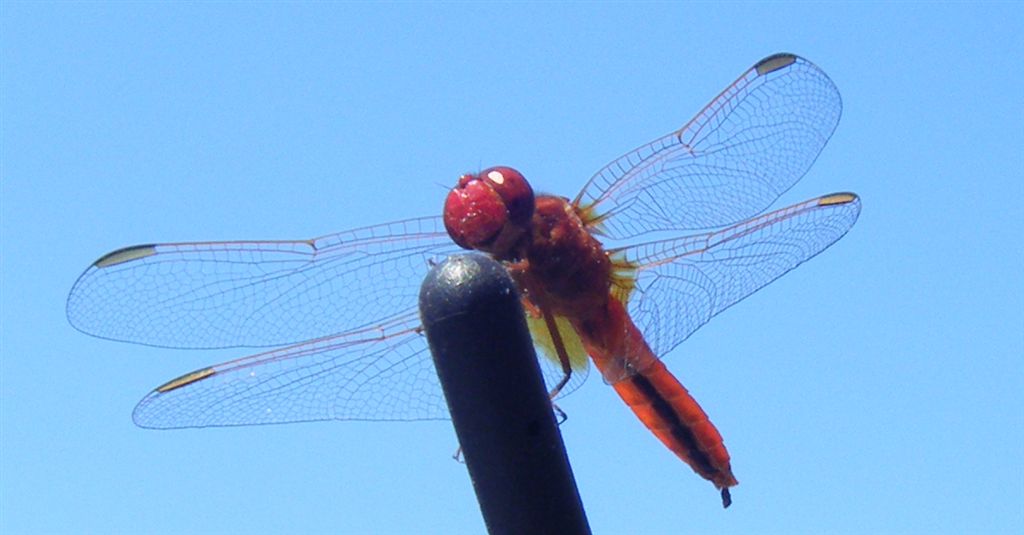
[[334, 319]]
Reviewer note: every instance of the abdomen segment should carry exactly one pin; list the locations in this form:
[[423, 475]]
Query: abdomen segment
[[655, 395], [671, 413]]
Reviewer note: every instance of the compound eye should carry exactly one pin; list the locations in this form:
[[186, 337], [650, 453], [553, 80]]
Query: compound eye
[[514, 190], [474, 213], [480, 208]]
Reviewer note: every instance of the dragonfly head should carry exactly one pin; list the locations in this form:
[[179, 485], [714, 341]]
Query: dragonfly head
[[489, 211]]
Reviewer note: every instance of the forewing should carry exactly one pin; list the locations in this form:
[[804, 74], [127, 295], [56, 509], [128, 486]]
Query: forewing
[[730, 162], [682, 283], [257, 293]]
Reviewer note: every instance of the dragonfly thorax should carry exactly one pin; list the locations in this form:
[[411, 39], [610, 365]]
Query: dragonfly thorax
[[564, 266]]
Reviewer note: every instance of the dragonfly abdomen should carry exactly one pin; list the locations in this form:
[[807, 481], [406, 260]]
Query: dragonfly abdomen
[[670, 412], [655, 395]]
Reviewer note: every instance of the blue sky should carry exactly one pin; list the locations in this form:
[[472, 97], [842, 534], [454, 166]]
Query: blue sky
[[878, 388]]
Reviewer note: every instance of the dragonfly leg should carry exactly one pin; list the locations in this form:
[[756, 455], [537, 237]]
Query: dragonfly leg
[[560, 415], [563, 356]]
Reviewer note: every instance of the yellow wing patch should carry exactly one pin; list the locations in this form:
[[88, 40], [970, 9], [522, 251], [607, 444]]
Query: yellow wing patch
[[573, 344], [623, 278]]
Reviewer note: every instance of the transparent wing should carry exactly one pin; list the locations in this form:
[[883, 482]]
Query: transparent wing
[[257, 293], [730, 162], [383, 372], [682, 283], [350, 298], [379, 373]]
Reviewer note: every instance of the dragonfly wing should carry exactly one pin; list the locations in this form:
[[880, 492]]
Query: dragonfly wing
[[682, 283], [379, 373], [383, 372], [550, 366], [730, 162], [257, 293]]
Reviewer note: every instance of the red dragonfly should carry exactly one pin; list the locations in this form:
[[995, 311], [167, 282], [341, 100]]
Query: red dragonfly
[[344, 306]]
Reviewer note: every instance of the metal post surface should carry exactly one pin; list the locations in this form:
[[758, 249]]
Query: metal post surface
[[499, 405]]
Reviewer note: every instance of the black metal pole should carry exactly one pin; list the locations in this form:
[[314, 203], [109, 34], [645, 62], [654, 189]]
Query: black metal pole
[[499, 405]]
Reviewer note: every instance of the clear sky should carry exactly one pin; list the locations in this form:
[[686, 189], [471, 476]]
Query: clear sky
[[878, 388]]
